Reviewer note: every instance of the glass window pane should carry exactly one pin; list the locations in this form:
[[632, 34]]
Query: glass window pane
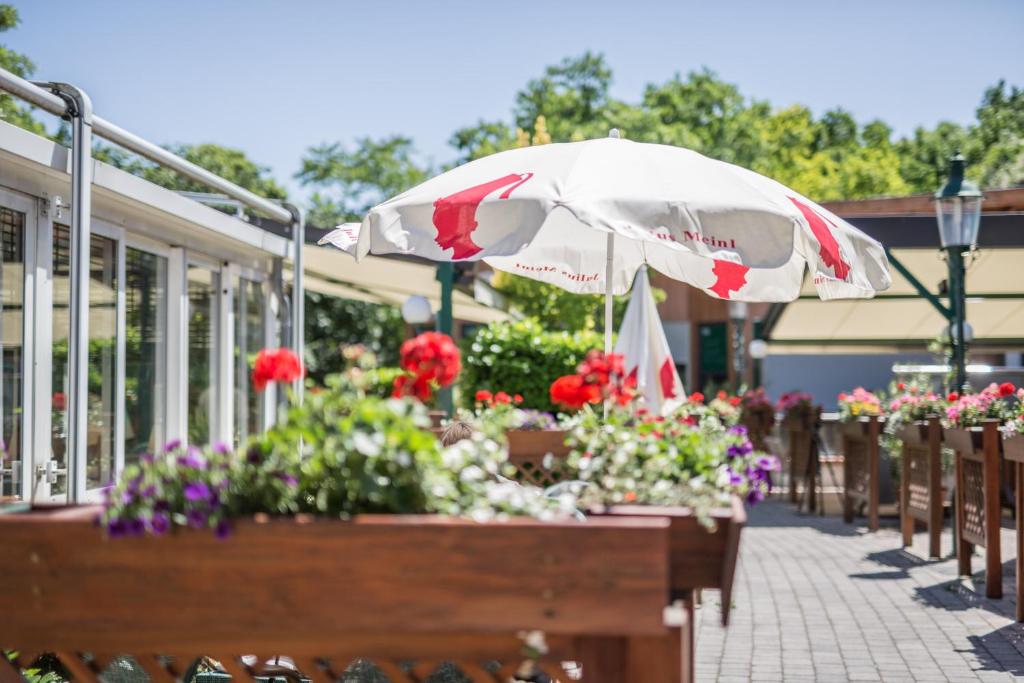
[[248, 307], [202, 347], [102, 376], [145, 352], [12, 293]]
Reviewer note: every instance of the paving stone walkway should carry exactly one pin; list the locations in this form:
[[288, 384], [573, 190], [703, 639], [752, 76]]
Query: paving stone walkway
[[820, 600]]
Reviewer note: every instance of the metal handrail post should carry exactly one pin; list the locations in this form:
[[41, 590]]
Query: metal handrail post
[[79, 111], [298, 309]]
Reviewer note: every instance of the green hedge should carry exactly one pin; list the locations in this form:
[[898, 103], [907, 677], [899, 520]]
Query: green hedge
[[521, 358]]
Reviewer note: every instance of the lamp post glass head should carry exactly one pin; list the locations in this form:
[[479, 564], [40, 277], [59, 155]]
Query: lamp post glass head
[[416, 310], [958, 208]]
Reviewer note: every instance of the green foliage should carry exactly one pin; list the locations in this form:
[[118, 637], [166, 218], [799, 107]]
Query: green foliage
[[11, 110], [521, 358], [348, 183], [332, 323]]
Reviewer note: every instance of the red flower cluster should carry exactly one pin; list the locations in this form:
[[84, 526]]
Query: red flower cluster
[[275, 365], [1007, 389], [599, 377], [430, 358], [734, 401], [501, 398]]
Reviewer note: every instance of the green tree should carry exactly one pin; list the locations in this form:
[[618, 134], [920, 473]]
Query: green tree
[[18, 64], [350, 182], [230, 164]]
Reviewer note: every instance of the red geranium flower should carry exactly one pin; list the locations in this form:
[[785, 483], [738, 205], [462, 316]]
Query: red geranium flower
[[953, 396], [60, 401], [275, 365], [565, 391], [1007, 389], [501, 398], [483, 396], [517, 399], [432, 356], [696, 397]]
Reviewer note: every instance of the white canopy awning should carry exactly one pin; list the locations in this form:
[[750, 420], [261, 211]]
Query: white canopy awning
[[901, 317], [385, 281]]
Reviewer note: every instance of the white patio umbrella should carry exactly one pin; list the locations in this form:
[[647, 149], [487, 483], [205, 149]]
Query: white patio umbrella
[[645, 350], [586, 215]]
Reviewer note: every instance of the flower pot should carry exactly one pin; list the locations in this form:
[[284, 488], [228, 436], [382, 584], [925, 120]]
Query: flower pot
[[699, 557], [963, 440], [385, 587], [915, 433], [1013, 447], [534, 442]]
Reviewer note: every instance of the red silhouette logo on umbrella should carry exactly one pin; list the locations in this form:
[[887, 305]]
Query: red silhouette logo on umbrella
[[828, 247], [730, 276], [455, 215]]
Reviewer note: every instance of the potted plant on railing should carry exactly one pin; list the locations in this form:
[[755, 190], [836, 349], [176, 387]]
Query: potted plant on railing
[[799, 425], [913, 439], [973, 433], [687, 465], [860, 416]]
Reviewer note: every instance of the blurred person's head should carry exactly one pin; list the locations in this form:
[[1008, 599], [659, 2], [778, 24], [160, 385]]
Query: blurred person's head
[[456, 431]]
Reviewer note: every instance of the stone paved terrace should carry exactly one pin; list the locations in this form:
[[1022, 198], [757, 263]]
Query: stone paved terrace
[[819, 600]]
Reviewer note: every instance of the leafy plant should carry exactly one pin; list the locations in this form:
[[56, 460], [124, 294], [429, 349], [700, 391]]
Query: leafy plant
[[522, 358]]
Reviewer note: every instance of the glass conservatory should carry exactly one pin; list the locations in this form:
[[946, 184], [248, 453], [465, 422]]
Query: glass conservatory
[[180, 297]]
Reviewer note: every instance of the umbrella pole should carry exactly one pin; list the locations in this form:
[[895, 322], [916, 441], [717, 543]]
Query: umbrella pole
[[609, 260]]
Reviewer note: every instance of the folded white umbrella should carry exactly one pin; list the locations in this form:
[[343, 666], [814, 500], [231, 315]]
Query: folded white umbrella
[[586, 215], [645, 351]]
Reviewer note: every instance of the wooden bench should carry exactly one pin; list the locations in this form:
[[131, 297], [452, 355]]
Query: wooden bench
[[978, 512], [921, 482], [860, 468], [327, 592]]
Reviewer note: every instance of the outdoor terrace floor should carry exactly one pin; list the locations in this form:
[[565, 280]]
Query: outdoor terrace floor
[[820, 600]]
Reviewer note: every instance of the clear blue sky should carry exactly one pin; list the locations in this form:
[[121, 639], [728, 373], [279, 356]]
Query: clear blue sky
[[273, 78]]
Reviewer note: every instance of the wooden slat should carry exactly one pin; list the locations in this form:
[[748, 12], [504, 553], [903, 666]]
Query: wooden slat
[[325, 579], [10, 672], [79, 670], [154, 668], [393, 672], [312, 669], [234, 667]]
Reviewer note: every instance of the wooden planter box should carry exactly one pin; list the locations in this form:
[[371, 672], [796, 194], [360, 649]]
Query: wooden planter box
[[528, 450], [860, 467], [802, 452], [327, 592], [921, 482], [759, 423], [977, 500], [1013, 451]]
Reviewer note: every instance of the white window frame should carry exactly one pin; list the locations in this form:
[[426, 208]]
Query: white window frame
[[29, 206]]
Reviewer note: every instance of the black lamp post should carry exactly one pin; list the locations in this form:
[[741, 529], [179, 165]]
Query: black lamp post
[[958, 208]]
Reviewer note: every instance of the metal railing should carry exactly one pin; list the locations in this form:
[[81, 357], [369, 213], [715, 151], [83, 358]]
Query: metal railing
[[66, 101]]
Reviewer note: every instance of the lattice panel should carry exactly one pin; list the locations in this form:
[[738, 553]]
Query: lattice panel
[[973, 500], [131, 669], [855, 456], [541, 470], [917, 461]]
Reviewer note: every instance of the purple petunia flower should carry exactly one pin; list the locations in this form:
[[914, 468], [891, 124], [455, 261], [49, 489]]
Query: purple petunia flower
[[172, 445], [755, 495], [149, 491], [197, 519], [738, 429], [287, 478], [221, 448], [116, 528], [223, 529], [193, 458], [159, 523], [254, 455], [146, 458], [767, 462], [197, 490]]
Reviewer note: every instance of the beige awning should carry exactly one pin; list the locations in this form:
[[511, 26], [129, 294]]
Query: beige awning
[[386, 281], [900, 317]]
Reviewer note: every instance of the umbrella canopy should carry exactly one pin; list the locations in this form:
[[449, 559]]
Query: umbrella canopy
[[645, 351], [572, 214]]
